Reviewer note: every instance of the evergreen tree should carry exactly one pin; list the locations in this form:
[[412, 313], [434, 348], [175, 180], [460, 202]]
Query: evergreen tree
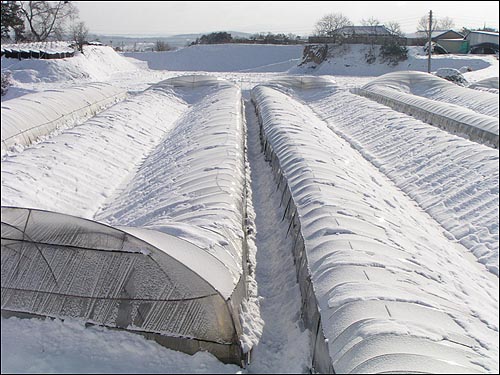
[[215, 38], [12, 20]]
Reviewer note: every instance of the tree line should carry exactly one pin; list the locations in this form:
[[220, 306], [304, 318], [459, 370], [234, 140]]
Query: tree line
[[39, 21], [222, 37]]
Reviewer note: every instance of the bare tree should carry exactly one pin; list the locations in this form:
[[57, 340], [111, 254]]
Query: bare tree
[[423, 24], [394, 27], [329, 24], [79, 32], [372, 21], [162, 46], [46, 18], [445, 23]]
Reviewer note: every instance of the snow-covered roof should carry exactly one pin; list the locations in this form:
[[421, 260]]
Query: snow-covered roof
[[479, 37], [198, 187], [483, 32], [364, 30], [387, 302], [435, 34]]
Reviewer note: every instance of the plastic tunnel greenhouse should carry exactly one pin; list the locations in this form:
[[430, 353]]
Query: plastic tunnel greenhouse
[[171, 267], [30, 116], [146, 281]]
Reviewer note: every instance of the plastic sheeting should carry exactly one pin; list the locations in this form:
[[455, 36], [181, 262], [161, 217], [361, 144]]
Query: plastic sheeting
[[364, 295], [30, 116], [197, 190], [302, 82], [171, 264], [62, 266], [38, 50], [192, 80], [433, 87], [459, 110], [487, 84]]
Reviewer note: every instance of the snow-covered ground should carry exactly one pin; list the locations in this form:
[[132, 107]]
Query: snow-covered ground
[[224, 58], [439, 189], [350, 60]]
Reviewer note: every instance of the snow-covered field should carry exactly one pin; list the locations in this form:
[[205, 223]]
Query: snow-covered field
[[399, 217]]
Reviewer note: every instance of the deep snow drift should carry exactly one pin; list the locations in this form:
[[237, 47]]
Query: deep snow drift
[[97, 63]]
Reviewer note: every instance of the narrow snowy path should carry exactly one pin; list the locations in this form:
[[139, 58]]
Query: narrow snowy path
[[284, 345]]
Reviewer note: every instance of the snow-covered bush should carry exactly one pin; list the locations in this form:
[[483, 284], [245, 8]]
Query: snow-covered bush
[[314, 53], [392, 52], [452, 75], [6, 82], [370, 56]]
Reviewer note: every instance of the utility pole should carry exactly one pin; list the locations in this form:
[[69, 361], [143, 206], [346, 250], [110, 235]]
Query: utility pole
[[429, 49]]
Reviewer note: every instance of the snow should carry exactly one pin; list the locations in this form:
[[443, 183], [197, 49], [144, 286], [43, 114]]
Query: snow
[[87, 66], [55, 346], [440, 90], [199, 182], [400, 218], [453, 75], [32, 116], [488, 84], [284, 343], [347, 213], [452, 179], [350, 60], [224, 58], [90, 160], [470, 113]]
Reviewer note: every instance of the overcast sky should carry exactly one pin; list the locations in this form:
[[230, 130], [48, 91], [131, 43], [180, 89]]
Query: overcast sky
[[298, 17]]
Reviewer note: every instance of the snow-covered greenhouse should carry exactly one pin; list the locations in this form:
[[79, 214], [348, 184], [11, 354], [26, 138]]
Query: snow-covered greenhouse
[[165, 256], [375, 296], [150, 282], [30, 116], [436, 101]]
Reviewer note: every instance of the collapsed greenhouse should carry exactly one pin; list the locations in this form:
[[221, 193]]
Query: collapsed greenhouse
[[171, 267]]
